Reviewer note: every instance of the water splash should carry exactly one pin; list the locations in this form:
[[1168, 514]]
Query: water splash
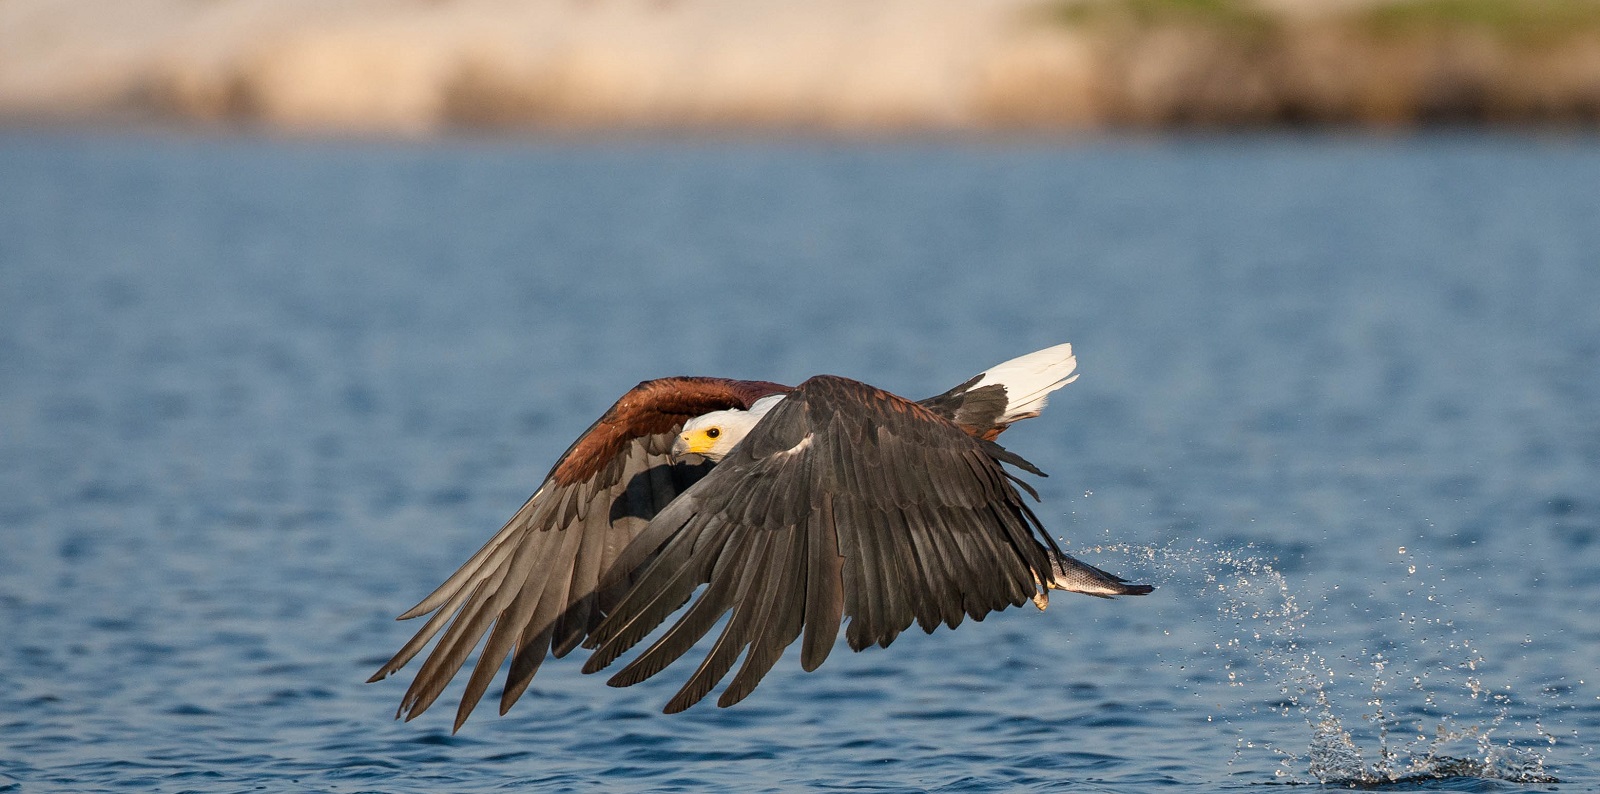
[[1425, 711]]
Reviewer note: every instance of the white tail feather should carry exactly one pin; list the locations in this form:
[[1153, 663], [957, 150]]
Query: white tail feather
[[1030, 379]]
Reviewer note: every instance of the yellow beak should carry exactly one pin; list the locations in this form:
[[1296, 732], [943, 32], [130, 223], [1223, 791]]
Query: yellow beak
[[691, 444]]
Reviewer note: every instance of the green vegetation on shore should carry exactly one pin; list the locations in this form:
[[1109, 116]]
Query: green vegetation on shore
[[1520, 21], [1233, 15], [1230, 62], [1513, 21]]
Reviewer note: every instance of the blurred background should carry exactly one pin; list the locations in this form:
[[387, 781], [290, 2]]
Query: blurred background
[[409, 66], [300, 300]]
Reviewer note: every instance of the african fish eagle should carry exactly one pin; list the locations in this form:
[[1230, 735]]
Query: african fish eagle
[[795, 508]]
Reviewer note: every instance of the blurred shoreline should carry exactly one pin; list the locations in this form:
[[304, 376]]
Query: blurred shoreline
[[892, 66]]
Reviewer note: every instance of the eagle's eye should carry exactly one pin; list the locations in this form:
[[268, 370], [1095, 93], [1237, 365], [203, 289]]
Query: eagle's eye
[[712, 432]]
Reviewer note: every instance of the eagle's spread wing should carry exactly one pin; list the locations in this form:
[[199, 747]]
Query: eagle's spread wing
[[535, 587], [844, 502]]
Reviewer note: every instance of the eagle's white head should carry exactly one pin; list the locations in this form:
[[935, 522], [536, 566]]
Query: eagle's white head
[[714, 435]]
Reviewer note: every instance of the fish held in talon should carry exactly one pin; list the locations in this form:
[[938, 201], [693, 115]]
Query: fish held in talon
[[808, 511], [1075, 576]]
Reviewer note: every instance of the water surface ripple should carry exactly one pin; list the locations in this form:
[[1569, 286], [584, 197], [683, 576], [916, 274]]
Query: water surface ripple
[[1338, 402]]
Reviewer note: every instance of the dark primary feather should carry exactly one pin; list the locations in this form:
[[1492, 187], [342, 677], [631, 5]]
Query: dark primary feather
[[844, 502], [545, 581]]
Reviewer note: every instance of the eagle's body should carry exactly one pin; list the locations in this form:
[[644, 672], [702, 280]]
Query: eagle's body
[[796, 508]]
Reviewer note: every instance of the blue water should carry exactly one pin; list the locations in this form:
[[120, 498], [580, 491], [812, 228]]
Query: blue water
[[1338, 401]]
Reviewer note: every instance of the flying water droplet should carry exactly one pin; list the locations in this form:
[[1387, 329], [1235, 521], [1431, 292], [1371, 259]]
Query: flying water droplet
[[1410, 726]]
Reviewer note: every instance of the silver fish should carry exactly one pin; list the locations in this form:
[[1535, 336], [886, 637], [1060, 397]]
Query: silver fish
[[1076, 576]]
